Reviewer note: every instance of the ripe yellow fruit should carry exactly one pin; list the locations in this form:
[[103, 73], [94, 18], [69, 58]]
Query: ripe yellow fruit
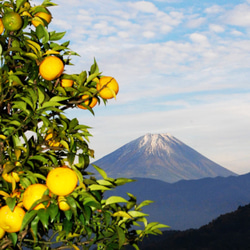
[[91, 102], [12, 21], [51, 68], [1, 26], [2, 233], [61, 181], [66, 83], [107, 87], [45, 16], [33, 193], [62, 203], [11, 221]]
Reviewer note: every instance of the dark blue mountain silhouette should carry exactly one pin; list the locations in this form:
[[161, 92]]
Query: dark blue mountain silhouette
[[189, 203]]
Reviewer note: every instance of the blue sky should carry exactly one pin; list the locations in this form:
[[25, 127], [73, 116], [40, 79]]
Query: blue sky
[[182, 66]]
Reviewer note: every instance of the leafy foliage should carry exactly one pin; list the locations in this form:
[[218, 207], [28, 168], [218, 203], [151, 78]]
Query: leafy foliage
[[36, 136]]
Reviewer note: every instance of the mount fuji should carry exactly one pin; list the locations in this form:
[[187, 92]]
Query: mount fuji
[[159, 156]]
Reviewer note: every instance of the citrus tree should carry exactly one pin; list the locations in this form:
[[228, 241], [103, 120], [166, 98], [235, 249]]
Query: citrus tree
[[48, 199]]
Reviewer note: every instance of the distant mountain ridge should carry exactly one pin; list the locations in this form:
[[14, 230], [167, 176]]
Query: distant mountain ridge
[[162, 157], [189, 203]]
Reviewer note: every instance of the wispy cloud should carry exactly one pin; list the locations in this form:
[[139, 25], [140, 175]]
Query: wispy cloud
[[182, 69]]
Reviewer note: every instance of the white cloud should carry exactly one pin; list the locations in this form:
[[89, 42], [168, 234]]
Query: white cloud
[[148, 34], [215, 9], [167, 61], [239, 16], [216, 28], [144, 6], [236, 33], [199, 38], [195, 22]]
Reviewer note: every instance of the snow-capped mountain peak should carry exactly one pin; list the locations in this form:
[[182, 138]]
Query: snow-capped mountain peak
[[159, 156]]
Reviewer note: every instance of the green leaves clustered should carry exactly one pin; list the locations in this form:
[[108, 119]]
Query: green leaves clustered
[[31, 108]]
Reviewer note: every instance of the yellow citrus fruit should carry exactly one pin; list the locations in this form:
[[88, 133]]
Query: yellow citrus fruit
[[91, 102], [45, 16], [1, 26], [2, 233], [107, 87], [11, 221], [51, 68], [12, 21], [66, 83], [33, 193], [62, 203], [61, 181]]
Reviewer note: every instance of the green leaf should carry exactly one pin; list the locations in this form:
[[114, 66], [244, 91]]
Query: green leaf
[[122, 214], [100, 171], [30, 55], [58, 99], [136, 246], [121, 236], [28, 217], [72, 203], [105, 183], [15, 78], [73, 123], [115, 199], [49, 105], [91, 77], [11, 202], [28, 101], [44, 217], [135, 214], [48, 3], [45, 198], [19, 3], [40, 176], [53, 36], [155, 225], [94, 68], [71, 157], [122, 181], [13, 237], [15, 123], [82, 77], [42, 33], [34, 227], [52, 211], [95, 187], [68, 214], [38, 158], [65, 144], [67, 225], [41, 96], [144, 203], [22, 106], [87, 213]]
